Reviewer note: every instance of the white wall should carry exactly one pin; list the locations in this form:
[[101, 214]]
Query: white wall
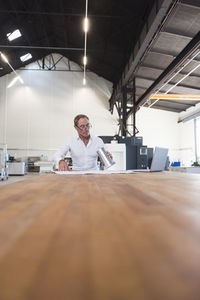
[[3, 112], [187, 138], [187, 146], [159, 128], [39, 114]]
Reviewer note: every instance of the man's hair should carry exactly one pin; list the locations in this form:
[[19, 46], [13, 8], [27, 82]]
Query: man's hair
[[78, 117]]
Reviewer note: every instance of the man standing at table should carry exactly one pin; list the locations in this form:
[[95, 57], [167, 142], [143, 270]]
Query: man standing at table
[[83, 148]]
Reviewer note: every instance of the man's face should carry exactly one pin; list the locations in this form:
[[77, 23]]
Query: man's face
[[83, 127]]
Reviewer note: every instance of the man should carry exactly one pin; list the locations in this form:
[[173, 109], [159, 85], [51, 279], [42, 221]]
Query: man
[[83, 148]]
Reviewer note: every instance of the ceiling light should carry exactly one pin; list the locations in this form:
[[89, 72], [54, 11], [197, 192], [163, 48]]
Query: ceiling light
[[85, 42], [4, 57], [26, 57], [85, 60], [85, 24], [176, 97], [14, 35]]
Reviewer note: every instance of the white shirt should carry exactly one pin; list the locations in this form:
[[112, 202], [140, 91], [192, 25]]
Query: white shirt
[[83, 157]]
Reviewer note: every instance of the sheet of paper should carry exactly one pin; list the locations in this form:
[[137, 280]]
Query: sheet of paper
[[102, 172]]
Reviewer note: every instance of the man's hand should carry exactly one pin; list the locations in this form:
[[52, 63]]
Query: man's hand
[[109, 154], [63, 166]]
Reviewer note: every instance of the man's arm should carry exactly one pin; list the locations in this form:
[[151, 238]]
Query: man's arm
[[63, 166], [109, 154], [59, 157], [101, 144]]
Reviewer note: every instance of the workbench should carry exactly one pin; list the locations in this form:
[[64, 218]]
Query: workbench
[[101, 237]]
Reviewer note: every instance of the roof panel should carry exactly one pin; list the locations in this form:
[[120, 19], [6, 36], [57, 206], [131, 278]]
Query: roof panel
[[157, 60], [170, 43], [185, 20]]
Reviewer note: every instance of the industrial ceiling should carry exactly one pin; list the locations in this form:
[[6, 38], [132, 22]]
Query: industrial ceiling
[[171, 54], [179, 29], [118, 31], [57, 26]]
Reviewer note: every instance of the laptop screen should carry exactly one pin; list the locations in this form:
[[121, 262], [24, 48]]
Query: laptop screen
[[159, 159]]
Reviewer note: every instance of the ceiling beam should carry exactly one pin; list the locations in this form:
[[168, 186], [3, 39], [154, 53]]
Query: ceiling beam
[[176, 103], [174, 32], [41, 47], [66, 14], [162, 69], [162, 107], [172, 83], [188, 3], [168, 53]]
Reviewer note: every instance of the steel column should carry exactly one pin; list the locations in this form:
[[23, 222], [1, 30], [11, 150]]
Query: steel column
[[124, 109], [134, 109]]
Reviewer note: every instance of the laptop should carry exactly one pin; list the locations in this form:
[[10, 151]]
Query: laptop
[[158, 162]]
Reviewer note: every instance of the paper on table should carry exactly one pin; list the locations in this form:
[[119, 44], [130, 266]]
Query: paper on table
[[93, 172]]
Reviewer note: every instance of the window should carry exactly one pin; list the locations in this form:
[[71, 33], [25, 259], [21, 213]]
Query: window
[[198, 139], [26, 57], [13, 35]]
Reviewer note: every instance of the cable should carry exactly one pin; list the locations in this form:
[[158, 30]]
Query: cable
[[85, 42]]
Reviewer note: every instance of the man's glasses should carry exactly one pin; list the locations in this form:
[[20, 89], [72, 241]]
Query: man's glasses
[[82, 127]]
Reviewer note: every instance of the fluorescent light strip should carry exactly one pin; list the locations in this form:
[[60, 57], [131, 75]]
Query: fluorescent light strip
[[85, 60], [85, 44], [86, 24], [176, 97]]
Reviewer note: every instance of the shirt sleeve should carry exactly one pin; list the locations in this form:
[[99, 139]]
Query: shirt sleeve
[[60, 154], [100, 143]]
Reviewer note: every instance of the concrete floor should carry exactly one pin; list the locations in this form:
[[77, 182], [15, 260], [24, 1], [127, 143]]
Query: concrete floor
[[12, 179]]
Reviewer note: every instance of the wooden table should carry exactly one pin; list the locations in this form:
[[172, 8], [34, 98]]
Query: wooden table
[[101, 237]]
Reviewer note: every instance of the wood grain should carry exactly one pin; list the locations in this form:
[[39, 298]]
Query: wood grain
[[101, 237]]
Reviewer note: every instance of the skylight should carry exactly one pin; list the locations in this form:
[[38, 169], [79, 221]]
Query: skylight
[[26, 57], [13, 35]]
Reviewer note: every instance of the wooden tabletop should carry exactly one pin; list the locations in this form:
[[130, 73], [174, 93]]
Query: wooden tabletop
[[101, 237]]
